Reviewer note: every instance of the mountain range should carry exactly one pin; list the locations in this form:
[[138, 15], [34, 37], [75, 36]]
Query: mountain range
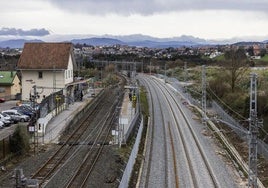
[[131, 40]]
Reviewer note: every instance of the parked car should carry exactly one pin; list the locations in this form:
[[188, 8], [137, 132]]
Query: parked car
[[33, 106], [7, 117], [2, 100], [13, 120], [5, 121], [17, 115], [23, 110], [28, 107], [1, 124]]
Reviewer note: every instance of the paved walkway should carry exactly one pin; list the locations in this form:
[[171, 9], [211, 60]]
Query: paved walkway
[[126, 114], [56, 125]]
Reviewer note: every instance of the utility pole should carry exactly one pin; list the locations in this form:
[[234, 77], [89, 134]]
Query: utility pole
[[165, 73], [185, 72], [142, 65], [54, 88], [165, 70], [134, 71], [35, 122], [150, 67], [54, 79], [185, 76], [204, 96], [253, 133]]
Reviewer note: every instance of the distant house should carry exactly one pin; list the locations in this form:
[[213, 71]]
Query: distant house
[[10, 86], [256, 50], [48, 66]]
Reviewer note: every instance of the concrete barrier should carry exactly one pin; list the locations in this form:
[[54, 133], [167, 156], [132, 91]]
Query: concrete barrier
[[132, 158], [43, 122]]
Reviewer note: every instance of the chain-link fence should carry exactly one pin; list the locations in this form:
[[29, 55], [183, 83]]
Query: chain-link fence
[[239, 129], [50, 103]]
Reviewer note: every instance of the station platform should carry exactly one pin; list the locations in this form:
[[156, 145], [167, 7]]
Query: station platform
[[126, 116], [57, 124]]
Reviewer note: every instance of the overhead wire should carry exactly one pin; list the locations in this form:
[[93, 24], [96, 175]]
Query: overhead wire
[[239, 115], [226, 105]]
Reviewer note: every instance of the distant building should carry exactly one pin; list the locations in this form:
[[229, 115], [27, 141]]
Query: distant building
[[49, 66], [10, 87], [215, 54], [256, 50]]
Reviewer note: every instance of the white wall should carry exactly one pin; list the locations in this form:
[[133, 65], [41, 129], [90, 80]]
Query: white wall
[[30, 78], [50, 78], [69, 78]]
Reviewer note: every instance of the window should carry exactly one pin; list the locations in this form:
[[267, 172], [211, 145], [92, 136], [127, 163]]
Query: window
[[40, 75]]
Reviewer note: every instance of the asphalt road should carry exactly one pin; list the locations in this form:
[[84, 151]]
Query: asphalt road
[[7, 105]]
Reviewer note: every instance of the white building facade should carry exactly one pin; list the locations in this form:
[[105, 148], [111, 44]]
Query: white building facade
[[48, 66]]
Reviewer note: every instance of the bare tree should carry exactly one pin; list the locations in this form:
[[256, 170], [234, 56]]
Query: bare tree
[[236, 66]]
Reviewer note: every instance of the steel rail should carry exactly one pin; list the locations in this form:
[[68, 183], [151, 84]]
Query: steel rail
[[202, 153], [57, 158], [93, 153], [165, 133], [150, 141]]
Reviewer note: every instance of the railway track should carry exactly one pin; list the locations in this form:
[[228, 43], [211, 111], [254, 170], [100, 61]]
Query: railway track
[[78, 136], [82, 174], [175, 126], [153, 146], [171, 99]]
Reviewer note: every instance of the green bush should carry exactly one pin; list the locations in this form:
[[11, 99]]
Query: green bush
[[19, 142], [236, 101]]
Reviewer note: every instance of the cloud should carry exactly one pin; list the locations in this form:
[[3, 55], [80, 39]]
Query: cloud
[[148, 7], [21, 32]]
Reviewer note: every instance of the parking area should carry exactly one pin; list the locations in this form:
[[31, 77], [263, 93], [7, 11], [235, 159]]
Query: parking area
[[6, 131], [8, 105]]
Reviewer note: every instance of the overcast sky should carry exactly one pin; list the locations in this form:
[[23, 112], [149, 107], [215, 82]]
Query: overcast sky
[[208, 19]]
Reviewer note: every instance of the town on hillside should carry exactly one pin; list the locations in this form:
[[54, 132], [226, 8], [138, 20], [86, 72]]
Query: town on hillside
[[88, 56]]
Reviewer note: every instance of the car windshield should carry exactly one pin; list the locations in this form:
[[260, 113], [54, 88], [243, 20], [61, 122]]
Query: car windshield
[[28, 106]]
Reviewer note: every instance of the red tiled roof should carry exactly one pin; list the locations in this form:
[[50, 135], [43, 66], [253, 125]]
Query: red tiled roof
[[45, 56]]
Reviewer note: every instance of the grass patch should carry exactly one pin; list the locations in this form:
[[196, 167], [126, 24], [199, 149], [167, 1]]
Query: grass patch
[[265, 58]]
